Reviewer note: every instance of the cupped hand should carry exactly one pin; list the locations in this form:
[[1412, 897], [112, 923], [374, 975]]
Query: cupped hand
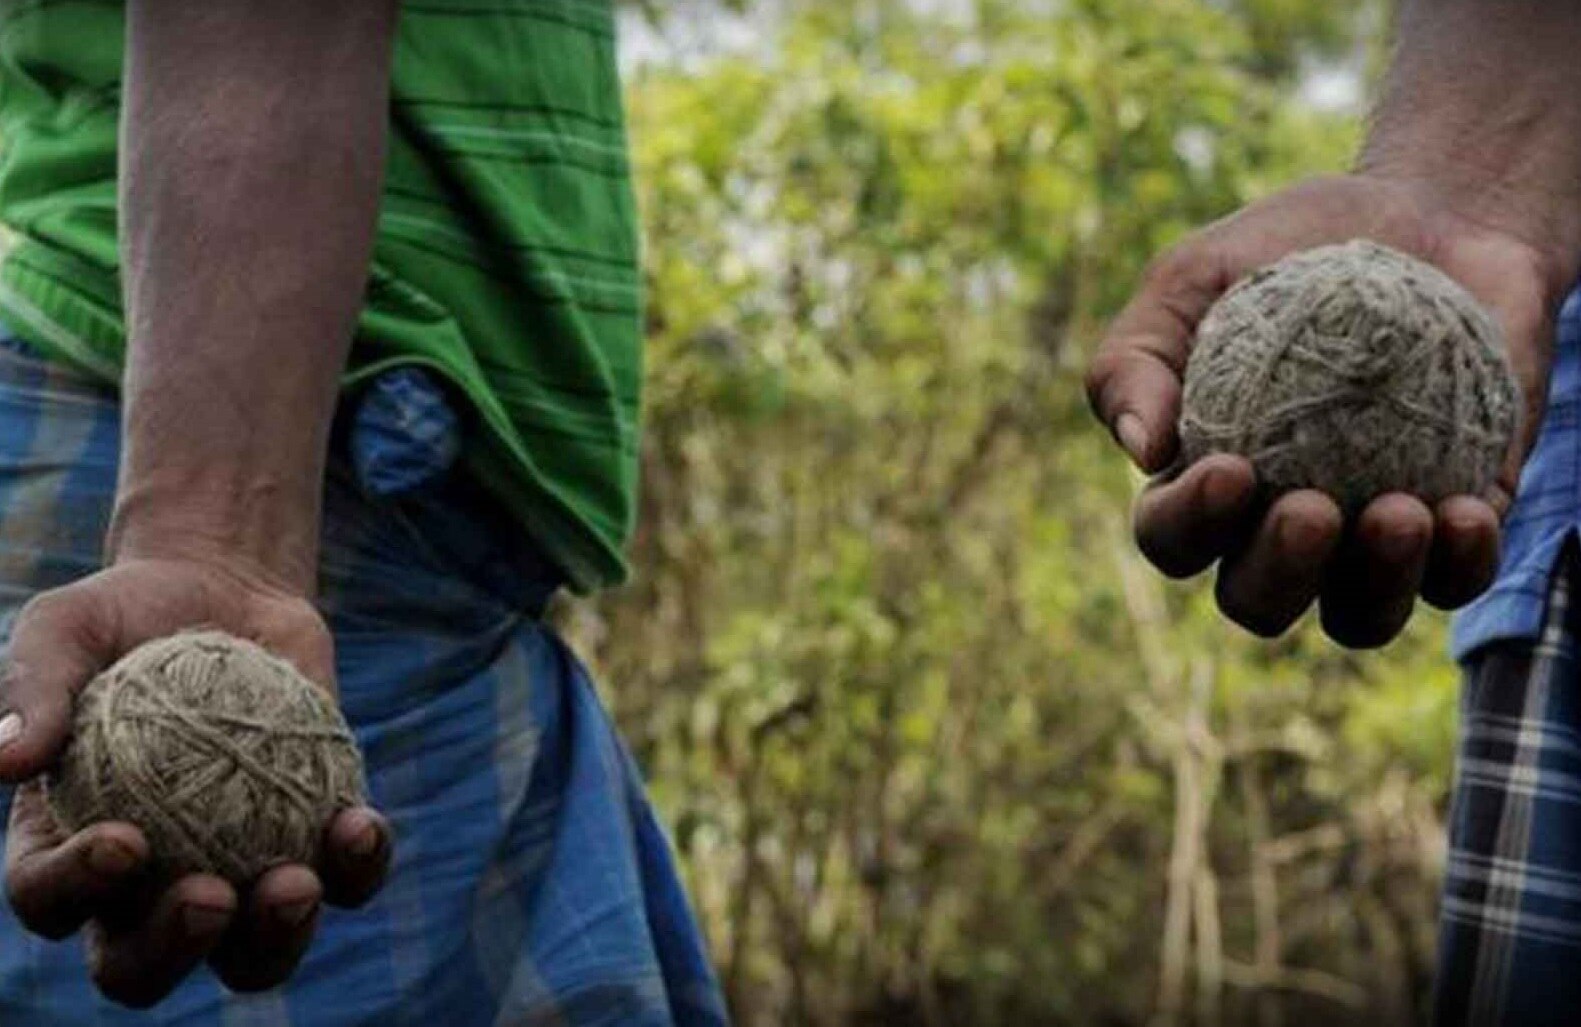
[[1276, 560], [144, 936]]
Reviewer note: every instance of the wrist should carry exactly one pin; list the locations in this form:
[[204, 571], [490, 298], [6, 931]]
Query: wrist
[[222, 461], [1479, 120], [1543, 213], [266, 527]]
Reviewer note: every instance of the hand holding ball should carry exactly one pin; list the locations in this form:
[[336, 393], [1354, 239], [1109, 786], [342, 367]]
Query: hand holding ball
[[227, 758], [1355, 370]]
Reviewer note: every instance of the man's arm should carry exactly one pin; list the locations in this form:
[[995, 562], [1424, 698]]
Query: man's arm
[[251, 156], [1473, 163], [1482, 109], [252, 148]]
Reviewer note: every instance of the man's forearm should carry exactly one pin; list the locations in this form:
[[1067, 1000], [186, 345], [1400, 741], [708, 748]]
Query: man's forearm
[[1483, 105], [251, 154]]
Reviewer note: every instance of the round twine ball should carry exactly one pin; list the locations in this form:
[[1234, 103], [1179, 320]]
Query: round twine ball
[[1356, 370], [228, 758]]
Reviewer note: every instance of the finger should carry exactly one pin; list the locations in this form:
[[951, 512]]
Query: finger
[[1134, 381], [1269, 584], [1137, 394], [55, 883], [139, 960], [52, 655], [356, 857], [1465, 554], [267, 940], [1371, 590], [1183, 526]]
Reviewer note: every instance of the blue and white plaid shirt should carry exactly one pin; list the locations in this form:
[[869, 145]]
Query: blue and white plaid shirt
[[1547, 509], [1510, 919]]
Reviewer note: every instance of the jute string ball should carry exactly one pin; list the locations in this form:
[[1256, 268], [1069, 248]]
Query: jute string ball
[[227, 758], [1356, 370]]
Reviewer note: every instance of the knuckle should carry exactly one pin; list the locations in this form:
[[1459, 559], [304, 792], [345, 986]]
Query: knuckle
[[1174, 267], [50, 609], [1101, 373]]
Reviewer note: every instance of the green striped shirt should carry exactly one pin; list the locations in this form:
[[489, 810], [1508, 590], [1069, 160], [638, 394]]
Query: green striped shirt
[[506, 257]]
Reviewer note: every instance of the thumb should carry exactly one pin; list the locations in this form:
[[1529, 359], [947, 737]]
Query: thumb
[[51, 658], [1134, 382]]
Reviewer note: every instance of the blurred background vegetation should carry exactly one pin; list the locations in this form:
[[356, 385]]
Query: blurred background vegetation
[[937, 748]]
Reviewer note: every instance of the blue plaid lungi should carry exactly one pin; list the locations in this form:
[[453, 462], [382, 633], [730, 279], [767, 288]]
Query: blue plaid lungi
[[531, 882]]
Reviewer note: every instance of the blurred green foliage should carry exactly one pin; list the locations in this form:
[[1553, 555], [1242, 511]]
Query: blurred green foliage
[[936, 746]]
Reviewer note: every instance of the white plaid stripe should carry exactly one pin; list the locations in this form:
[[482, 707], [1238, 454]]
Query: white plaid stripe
[[1511, 911]]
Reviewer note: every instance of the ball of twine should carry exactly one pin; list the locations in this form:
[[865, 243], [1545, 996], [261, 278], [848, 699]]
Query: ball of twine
[[227, 758], [1356, 370]]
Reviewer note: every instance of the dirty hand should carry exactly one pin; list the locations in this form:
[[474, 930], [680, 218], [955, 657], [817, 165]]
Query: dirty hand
[[1276, 560], [143, 937]]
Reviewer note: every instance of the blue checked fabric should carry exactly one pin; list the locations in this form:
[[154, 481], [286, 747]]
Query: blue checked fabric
[[1510, 920], [532, 883]]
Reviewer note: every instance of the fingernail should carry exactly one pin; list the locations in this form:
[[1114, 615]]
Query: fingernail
[[1400, 546], [1132, 435], [1221, 492], [10, 729], [295, 914], [203, 921], [110, 858], [365, 842], [1296, 535]]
